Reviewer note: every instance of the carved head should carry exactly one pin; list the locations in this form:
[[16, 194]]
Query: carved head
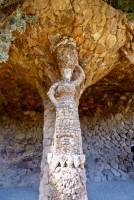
[[67, 57]]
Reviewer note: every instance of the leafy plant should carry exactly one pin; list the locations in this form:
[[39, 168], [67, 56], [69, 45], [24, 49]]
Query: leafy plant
[[124, 5]]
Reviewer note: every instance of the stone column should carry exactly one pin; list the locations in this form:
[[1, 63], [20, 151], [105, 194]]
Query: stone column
[[65, 163], [48, 132], [67, 178]]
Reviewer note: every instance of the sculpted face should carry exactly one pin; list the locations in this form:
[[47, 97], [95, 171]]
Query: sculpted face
[[66, 74]]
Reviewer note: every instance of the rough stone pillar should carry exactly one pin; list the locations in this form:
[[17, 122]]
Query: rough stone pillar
[[62, 171], [48, 132]]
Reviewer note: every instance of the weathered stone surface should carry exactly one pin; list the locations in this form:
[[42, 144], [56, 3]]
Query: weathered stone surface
[[110, 42], [108, 148], [40, 5], [104, 39], [79, 20], [20, 152], [103, 137], [66, 162], [64, 18], [60, 5]]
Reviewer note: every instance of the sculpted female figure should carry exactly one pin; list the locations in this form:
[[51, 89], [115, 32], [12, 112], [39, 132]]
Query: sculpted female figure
[[67, 136], [66, 164]]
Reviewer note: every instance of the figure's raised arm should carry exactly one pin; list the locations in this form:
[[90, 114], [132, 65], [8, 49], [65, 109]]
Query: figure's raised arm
[[81, 76], [51, 93]]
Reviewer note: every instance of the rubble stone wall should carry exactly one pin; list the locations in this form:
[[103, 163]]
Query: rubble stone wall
[[106, 144], [20, 153]]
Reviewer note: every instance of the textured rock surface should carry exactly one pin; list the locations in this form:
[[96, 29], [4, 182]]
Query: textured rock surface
[[99, 30], [106, 144], [107, 131], [20, 153], [107, 148], [104, 38], [66, 178], [106, 137]]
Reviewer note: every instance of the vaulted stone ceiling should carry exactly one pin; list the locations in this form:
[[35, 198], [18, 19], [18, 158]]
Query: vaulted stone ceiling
[[104, 38]]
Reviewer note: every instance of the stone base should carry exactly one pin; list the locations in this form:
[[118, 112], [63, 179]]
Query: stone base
[[67, 179]]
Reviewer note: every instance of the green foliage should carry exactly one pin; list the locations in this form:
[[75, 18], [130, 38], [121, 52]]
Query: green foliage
[[124, 5]]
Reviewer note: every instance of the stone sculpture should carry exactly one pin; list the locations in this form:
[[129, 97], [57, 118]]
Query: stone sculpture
[[66, 164]]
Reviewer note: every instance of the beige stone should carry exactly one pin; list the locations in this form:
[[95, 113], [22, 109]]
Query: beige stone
[[129, 35], [87, 44], [41, 13], [92, 27], [50, 15], [60, 5], [103, 7], [83, 4], [80, 40], [102, 40], [88, 13], [32, 42], [77, 32], [103, 55], [100, 20], [41, 5], [118, 116], [132, 46], [28, 7], [66, 30], [78, 20], [15, 55], [122, 21], [106, 32], [99, 30], [76, 6], [110, 41], [108, 57], [113, 25], [94, 59], [95, 10], [110, 12], [100, 49], [64, 18], [121, 37], [96, 36], [92, 47]]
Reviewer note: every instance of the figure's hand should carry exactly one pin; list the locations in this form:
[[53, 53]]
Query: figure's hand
[[81, 71], [51, 94]]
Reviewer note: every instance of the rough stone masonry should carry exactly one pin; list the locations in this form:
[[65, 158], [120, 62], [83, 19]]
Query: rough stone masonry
[[105, 42], [105, 141], [67, 179]]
